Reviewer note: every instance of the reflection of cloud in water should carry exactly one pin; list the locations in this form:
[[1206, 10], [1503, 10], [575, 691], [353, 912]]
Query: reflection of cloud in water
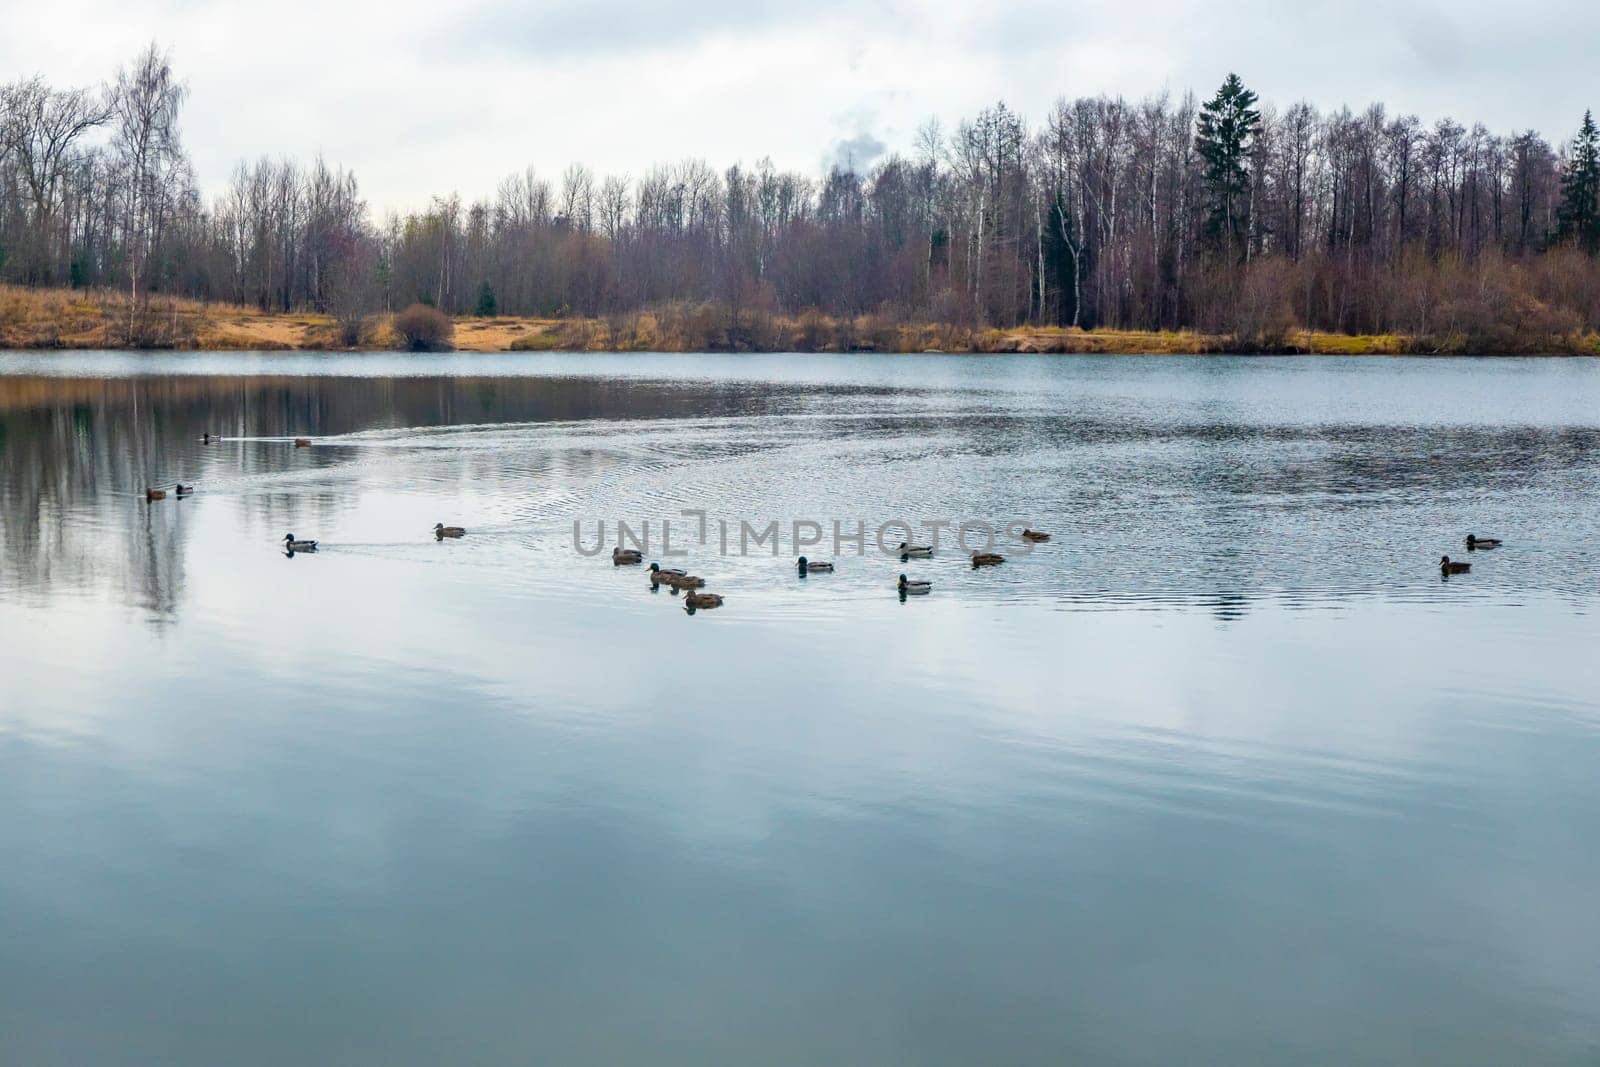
[[1226, 740]]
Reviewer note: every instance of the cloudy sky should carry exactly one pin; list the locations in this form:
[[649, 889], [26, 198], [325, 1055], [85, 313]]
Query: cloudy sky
[[421, 97]]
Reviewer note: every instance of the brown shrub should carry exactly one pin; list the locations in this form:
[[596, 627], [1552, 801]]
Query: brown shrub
[[424, 329], [811, 331], [1262, 314]]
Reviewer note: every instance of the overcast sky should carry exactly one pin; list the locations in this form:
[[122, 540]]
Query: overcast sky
[[421, 97]]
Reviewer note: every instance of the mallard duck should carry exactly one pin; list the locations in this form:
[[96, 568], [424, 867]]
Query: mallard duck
[[987, 559], [292, 545], [916, 551], [155, 494], [684, 581], [207, 438], [183, 490], [620, 555], [1035, 536], [806, 567], [1475, 543], [441, 531], [1446, 567], [658, 573], [302, 442], [702, 600], [909, 588]]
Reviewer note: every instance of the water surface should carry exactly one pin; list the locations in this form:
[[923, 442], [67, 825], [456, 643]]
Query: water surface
[[1225, 773]]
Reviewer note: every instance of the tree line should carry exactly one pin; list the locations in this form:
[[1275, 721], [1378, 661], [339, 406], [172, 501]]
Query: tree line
[[1227, 215]]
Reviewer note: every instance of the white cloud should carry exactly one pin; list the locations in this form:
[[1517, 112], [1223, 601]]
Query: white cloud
[[422, 98]]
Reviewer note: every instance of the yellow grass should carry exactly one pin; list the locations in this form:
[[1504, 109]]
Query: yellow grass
[[498, 334], [50, 318], [1344, 344], [1094, 342]]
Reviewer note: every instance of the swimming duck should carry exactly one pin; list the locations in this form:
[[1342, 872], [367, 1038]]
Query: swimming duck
[[820, 567], [1446, 567], [155, 494], [1475, 543], [658, 573], [441, 531], [917, 551], [685, 581], [182, 490], [292, 545], [620, 555], [910, 588], [1035, 536], [207, 438], [702, 600], [302, 442], [987, 559]]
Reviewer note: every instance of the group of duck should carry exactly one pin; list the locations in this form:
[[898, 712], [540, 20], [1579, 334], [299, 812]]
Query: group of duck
[[679, 580], [1448, 566], [178, 489], [676, 579], [213, 438], [293, 544], [690, 585]]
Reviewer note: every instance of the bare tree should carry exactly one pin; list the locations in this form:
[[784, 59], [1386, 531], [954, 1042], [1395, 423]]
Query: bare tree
[[1095, 217], [41, 129], [145, 103]]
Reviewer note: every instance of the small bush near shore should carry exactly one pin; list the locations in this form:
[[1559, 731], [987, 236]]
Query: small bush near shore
[[424, 329]]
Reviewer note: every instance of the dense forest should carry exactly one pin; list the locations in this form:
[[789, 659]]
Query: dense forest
[[1226, 215]]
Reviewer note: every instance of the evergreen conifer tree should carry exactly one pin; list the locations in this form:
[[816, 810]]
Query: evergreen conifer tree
[[486, 302], [1227, 127], [1580, 189]]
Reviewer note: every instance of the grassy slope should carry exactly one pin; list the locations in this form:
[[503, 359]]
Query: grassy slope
[[31, 318]]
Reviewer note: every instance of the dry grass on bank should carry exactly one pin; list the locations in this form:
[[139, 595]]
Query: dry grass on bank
[[54, 318], [70, 319]]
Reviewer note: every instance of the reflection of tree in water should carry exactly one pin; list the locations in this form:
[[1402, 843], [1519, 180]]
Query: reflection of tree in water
[[77, 453], [1228, 607], [73, 466], [1143, 502]]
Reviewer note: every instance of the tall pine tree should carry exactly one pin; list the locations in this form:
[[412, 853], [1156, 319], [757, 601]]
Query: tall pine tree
[[487, 305], [1580, 189], [1227, 127]]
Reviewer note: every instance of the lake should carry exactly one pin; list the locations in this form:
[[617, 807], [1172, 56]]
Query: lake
[[1226, 772]]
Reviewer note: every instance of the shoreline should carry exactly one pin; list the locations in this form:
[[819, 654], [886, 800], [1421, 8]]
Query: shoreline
[[44, 320]]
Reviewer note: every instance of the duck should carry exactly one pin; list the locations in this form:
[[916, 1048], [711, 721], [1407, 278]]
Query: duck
[[909, 588], [685, 581], [302, 442], [620, 555], [1475, 543], [207, 438], [1035, 536], [183, 490], [658, 573], [917, 551], [441, 531], [291, 544], [702, 600], [987, 559], [806, 567], [155, 494], [1447, 567]]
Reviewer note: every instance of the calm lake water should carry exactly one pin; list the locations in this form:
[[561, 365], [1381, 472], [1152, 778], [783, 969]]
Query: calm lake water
[[1226, 773]]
